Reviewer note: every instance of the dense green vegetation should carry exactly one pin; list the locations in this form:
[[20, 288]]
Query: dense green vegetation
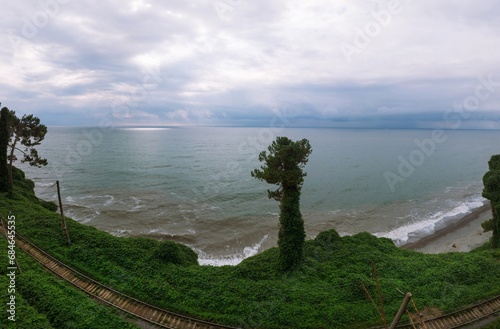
[[324, 292], [491, 191], [43, 301]]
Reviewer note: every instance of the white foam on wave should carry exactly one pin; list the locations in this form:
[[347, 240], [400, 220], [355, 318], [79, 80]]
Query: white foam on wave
[[137, 203], [157, 231], [234, 259], [420, 229], [110, 200], [86, 220], [95, 200], [161, 233], [83, 219], [121, 232], [43, 184]]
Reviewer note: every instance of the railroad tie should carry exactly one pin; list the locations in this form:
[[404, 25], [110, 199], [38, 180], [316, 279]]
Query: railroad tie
[[51, 265], [150, 314], [127, 306], [66, 272], [120, 301], [95, 289], [442, 324], [430, 325], [105, 294], [490, 308], [453, 320], [146, 312], [90, 287], [116, 299], [176, 321], [477, 312], [140, 310], [61, 271], [86, 285], [112, 299], [82, 284], [135, 307], [154, 314], [163, 318]]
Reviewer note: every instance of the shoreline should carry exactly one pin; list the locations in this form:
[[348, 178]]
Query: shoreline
[[462, 236]]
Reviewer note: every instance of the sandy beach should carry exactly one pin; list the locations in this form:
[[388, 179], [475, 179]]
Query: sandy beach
[[463, 236]]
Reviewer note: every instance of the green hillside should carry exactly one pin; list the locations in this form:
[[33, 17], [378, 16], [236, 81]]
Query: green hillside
[[325, 292]]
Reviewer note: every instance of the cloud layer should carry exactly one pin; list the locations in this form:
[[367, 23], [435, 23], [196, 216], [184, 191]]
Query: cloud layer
[[350, 63]]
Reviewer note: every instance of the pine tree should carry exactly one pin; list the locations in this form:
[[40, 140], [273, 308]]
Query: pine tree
[[29, 132], [283, 167]]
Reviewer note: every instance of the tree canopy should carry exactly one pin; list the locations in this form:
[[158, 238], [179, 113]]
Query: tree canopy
[[491, 191], [283, 166], [27, 132]]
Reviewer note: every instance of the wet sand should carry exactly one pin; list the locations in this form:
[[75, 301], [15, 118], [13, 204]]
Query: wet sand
[[463, 236]]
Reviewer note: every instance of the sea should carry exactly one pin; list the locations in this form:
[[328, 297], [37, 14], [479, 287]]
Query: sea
[[193, 184]]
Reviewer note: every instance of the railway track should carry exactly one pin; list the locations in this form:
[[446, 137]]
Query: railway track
[[460, 318], [130, 305], [167, 319]]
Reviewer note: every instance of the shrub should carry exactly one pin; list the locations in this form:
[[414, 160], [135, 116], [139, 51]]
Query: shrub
[[487, 225], [171, 252]]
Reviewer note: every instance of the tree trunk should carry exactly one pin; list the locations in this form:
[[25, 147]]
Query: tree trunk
[[11, 180], [4, 141], [291, 234], [495, 241]]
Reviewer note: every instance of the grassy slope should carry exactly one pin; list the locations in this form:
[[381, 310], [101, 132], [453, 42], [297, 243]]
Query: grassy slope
[[43, 301], [325, 293]]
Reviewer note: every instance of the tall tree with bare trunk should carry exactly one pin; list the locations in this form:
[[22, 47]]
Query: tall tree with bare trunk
[[4, 142], [283, 166]]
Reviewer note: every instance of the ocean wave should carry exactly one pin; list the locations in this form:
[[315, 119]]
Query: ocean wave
[[234, 259], [43, 184], [417, 230], [91, 200], [110, 200], [187, 237], [120, 232], [83, 217]]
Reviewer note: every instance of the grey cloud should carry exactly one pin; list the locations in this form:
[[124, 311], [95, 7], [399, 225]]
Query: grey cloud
[[233, 62]]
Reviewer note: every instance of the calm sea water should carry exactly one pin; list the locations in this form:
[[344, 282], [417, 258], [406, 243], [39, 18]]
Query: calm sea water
[[193, 185]]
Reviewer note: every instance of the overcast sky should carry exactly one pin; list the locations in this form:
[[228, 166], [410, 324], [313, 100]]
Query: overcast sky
[[351, 63]]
